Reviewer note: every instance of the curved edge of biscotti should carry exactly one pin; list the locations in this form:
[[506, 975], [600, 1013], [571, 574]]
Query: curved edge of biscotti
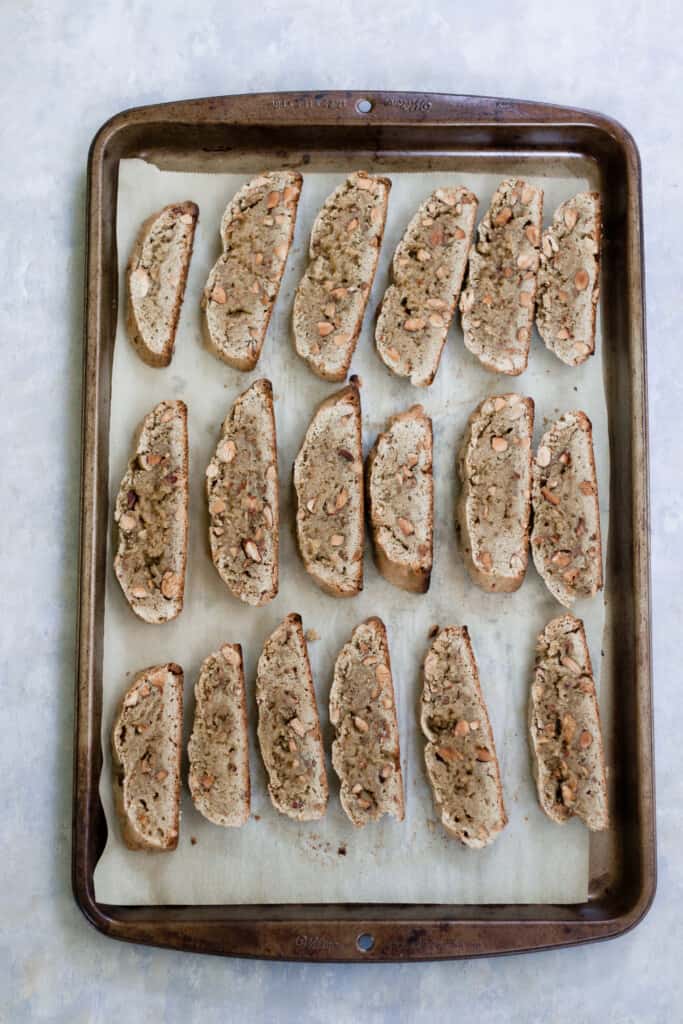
[[461, 633], [386, 808], [284, 179], [294, 622], [130, 835], [264, 388], [415, 577], [239, 814], [567, 623], [565, 594], [315, 365], [490, 581], [559, 214], [324, 579], [392, 293], [133, 326], [171, 608]]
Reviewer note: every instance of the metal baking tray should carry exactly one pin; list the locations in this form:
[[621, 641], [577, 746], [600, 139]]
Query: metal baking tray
[[420, 131]]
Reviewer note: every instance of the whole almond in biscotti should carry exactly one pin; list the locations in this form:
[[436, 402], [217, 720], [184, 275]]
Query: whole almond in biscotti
[[569, 277], [151, 512], [460, 753], [243, 497], [366, 753], [156, 276], [256, 231], [494, 506], [218, 750], [328, 484], [497, 303], [565, 539], [400, 489], [427, 271], [564, 728], [332, 296], [146, 747], [288, 725]]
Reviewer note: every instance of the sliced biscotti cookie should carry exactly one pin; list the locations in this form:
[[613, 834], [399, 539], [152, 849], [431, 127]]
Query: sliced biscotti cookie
[[366, 753], [243, 495], [328, 483], [564, 727], [151, 512], [256, 231], [219, 748], [156, 276], [146, 745], [330, 301], [494, 506], [565, 539], [568, 279], [400, 489], [288, 724], [460, 753], [497, 303], [427, 270]]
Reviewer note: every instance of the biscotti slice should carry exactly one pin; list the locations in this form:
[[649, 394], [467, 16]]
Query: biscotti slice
[[568, 279], [219, 748], [460, 753], [427, 270], [494, 506], [497, 304], [400, 488], [151, 512], [564, 728], [256, 231], [146, 746], [565, 540], [243, 495], [366, 753], [330, 301], [156, 276], [328, 483], [288, 724]]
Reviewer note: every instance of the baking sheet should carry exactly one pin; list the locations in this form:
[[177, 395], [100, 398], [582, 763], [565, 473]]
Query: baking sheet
[[273, 859]]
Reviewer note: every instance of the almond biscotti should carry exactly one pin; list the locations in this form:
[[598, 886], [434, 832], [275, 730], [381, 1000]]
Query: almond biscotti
[[366, 753], [400, 488], [146, 747], [156, 276], [243, 496], [256, 231], [151, 512], [565, 540], [460, 753], [494, 506], [568, 279], [427, 270], [564, 728], [497, 303], [332, 296], [288, 725], [328, 483], [218, 750]]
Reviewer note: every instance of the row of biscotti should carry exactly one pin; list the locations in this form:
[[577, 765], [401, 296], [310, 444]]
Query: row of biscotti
[[503, 489], [511, 272], [460, 754]]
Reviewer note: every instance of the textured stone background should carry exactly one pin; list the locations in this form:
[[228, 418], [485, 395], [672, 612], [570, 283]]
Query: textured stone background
[[64, 68]]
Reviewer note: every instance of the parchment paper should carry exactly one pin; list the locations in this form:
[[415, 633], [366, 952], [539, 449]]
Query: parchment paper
[[273, 859]]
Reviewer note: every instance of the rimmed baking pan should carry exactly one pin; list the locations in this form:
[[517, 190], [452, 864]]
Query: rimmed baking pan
[[421, 131]]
